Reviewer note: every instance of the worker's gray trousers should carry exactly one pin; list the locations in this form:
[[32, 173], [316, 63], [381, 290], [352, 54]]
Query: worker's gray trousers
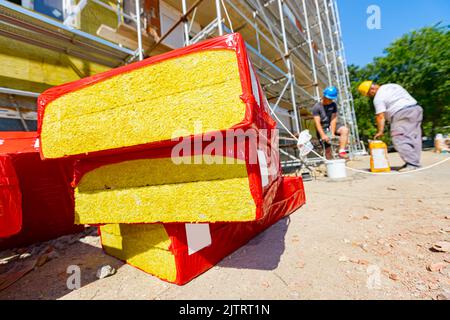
[[406, 134]]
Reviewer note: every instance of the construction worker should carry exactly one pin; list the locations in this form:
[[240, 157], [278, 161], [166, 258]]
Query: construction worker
[[394, 104], [325, 115]]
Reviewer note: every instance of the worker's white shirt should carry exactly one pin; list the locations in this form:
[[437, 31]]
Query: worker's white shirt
[[391, 98]]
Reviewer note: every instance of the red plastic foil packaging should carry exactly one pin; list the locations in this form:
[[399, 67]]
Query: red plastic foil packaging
[[10, 199], [45, 206]]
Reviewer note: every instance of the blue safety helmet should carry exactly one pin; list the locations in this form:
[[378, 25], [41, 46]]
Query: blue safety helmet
[[331, 93]]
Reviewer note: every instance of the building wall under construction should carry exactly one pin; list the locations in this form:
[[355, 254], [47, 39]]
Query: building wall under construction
[[31, 68]]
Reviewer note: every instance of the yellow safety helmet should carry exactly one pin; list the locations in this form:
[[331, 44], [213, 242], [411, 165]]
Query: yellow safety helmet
[[365, 87]]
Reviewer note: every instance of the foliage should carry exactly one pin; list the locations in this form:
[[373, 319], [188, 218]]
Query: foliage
[[420, 62]]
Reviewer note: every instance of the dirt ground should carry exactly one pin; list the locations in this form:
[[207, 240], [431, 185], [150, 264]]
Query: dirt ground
[[366, 237]]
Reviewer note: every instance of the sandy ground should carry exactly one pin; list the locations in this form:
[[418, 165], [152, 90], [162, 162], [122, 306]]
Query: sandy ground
[[366, 237]]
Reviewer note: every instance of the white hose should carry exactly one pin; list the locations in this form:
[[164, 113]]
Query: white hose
[[358, 170], [399, 173]]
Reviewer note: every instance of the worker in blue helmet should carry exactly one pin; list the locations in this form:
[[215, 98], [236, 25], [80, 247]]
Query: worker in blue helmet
[[328, 126]]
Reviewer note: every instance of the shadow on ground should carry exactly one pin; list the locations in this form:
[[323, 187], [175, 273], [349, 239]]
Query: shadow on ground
[[262, 252], [49, 281]]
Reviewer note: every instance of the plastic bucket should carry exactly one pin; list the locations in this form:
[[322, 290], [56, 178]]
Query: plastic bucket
[[336, 169]]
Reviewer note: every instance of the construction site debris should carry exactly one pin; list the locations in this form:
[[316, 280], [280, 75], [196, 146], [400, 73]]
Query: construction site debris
[[360, 261], [421, 286], [394, 276], [19, 270], [435, 267], [105, 271], [364, 246], [8, 259], [91, 240], [443, 296], [25, 255], [442, 246], [376, 208], [13, 275]]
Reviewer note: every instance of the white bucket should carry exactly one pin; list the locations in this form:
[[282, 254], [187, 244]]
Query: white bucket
[[336, 169]]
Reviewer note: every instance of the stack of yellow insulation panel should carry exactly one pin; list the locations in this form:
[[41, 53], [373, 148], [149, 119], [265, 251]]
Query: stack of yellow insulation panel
[[155, 205]]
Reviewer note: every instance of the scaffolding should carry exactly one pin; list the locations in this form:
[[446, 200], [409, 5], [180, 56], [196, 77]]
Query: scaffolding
[[295, 45]]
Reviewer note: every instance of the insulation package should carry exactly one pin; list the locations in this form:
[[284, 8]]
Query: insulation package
[[234, 184], [178, 252], [207, 87], [10, 199], [46, 202]]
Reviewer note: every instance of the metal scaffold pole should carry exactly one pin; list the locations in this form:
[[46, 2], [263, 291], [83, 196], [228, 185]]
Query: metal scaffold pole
[[324, 45], [335, 63], [185, 24], [346, 76], [219, 17], [139, 30], [346, 94], [311, 51], [289, 68]]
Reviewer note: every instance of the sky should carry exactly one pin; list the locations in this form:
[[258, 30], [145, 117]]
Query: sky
[[397, 18]]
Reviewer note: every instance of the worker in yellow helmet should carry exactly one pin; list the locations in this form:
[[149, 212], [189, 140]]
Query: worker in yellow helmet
[[394, 104]]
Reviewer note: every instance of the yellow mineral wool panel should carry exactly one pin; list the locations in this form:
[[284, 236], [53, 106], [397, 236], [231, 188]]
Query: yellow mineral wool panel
[[201, 88], [159, 237], [143, 246], [148, 104], [157, 190]]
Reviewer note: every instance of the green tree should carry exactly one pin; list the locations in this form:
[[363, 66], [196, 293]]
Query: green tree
[[420, 62]]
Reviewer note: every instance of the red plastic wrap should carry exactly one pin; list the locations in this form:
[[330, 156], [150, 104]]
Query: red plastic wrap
[[47, 198], [256, 113], [18, 142], [10, 199], [228, 237]]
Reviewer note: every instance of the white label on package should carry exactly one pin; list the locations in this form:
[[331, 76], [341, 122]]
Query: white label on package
[[198, 236], [264, 170], [379, 159]]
